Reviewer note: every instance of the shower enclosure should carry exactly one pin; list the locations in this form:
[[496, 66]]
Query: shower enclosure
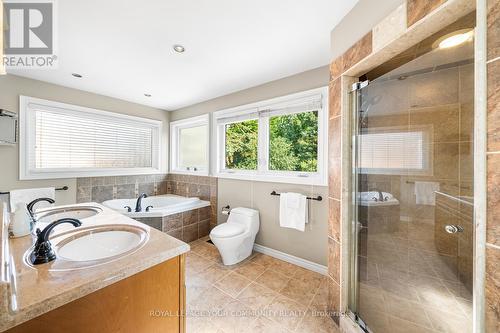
[[411, 250]]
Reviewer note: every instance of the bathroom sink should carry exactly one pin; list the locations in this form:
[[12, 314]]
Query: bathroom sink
[[80, 212], [100, 243]]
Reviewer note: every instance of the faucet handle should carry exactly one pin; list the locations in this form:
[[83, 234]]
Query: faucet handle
[[42, 251], [148, 207], [129, 209]]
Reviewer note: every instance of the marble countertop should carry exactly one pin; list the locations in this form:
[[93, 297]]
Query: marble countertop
[[28, 292]]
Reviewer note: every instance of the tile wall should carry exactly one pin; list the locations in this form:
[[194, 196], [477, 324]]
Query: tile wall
[[187, 226], [493, 165]]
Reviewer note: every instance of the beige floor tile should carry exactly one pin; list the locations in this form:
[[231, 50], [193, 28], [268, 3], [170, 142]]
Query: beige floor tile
[[286, 312], [201, 325], [314, 322], [195, 285], [195, 263], [309, 276], [232, 284], [283, 267], [273, 280], [409, 311], [449, 323], [320, 300], [263, 259], [208, 251], [298, 290], [235, 317], [250, 270], [265, 325], [403, 326], [210, 300], [256, 296], [214, 273]]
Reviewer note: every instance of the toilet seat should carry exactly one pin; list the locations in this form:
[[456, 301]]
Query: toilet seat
[[227, 230]]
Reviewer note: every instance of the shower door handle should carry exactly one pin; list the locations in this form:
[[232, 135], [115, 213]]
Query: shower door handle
[[453, 229]]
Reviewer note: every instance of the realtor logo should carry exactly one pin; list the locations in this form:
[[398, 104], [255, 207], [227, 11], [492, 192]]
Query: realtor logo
[[29, 35]]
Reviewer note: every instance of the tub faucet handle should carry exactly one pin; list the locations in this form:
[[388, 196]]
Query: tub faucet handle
[[148, 207], [128, 208]]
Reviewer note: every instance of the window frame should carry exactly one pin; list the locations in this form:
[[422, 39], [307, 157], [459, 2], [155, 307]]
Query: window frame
[[263, 173], [175, 127], [27, 130]]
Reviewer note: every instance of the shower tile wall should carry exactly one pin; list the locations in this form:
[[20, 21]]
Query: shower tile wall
[[493, 167]]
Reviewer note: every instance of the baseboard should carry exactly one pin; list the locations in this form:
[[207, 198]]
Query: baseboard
[[291, 259]]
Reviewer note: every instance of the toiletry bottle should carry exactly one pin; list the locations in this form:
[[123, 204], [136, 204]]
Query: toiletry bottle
[[20, 223]]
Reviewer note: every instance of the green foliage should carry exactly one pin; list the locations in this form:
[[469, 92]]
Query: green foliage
[[293, 144], [241, 145]]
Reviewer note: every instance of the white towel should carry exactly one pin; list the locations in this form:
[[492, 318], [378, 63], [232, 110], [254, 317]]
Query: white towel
[[26, 196], [293, 211], [425, 193]]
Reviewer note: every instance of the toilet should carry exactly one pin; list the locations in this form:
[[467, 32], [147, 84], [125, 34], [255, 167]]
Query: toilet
[[235, 238]]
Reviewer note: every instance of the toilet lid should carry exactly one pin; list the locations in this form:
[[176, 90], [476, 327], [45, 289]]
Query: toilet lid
[[227, 230]]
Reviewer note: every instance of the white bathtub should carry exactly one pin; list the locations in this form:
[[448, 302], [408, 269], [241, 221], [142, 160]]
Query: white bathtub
[[163, 205], [371, 199]]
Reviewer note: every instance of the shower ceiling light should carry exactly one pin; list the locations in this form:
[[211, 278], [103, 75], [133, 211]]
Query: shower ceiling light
[[454, 39], [179, 48]]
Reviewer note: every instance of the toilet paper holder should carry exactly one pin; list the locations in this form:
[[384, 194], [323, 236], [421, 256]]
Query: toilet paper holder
[[226, 210]]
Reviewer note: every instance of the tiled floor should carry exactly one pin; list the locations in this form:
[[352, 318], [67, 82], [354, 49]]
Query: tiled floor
[[260, 294], [406, 286]]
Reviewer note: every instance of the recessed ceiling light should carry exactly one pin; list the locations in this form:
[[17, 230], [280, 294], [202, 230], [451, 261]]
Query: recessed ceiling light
[[454, 39], [77, 75], [147, 95], [179, 48]]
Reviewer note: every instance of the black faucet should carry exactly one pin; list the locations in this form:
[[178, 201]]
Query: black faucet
[[33, 203], [138, 207], [42, 251], [380, 195]]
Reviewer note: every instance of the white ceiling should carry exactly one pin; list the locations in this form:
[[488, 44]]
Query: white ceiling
[[123, 48]]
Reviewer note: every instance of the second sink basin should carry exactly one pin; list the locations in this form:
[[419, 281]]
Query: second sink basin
[[78, 212], [101, 243]]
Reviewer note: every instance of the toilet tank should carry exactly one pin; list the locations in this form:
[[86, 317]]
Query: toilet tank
[[247, 216]]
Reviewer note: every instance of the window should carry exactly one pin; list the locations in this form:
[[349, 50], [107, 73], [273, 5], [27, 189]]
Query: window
[[60, 140], [189, 142], [396, 151], [280, 140]]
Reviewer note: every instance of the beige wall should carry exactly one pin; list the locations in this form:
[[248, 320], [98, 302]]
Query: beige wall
[[311, 244], [12, 86]]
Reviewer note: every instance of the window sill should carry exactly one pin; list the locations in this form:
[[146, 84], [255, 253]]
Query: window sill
[[316, 181]]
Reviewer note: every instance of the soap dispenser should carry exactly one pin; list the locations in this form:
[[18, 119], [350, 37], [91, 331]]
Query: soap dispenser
[[20, 223]]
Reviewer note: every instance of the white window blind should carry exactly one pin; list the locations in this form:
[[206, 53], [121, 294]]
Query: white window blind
[[389, 152], [64, 140]]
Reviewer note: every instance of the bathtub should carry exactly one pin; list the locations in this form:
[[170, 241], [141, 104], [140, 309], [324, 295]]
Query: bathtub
[[163, 205], [371, 199]]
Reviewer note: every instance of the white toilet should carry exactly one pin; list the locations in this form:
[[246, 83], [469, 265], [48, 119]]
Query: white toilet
[[235, 238]]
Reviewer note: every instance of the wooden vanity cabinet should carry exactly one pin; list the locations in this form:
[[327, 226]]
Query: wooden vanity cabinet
[[147, 302]]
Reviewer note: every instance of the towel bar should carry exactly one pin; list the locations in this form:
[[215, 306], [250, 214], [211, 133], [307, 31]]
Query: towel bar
[[318, 198], [64, 188]]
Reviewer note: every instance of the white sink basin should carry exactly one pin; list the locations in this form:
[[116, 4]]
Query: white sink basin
[[47, 216], [101, 243]]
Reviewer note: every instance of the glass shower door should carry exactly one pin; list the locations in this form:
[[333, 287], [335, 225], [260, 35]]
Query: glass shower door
[[412, 201]]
